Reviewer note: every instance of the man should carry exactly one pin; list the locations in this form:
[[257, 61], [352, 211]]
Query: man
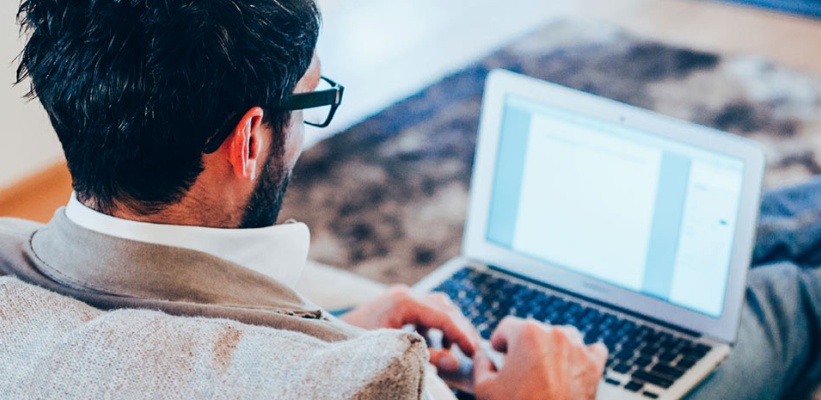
[[181, 122]]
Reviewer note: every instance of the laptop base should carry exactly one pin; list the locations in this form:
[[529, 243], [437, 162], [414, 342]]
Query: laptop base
[[647, 359]]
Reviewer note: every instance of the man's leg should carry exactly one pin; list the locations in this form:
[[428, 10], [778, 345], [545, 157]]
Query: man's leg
[[789, 228], [777, 353]]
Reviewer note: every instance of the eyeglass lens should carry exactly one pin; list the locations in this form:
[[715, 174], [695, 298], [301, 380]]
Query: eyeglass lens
[[318, 115]]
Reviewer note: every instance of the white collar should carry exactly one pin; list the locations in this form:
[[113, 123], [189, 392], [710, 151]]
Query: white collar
[[278, 251]]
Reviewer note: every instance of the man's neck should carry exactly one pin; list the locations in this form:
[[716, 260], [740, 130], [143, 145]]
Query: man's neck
[[186, 212]]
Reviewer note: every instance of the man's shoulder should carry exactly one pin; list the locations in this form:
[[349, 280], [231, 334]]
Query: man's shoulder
[[12, 229], [14, 233]]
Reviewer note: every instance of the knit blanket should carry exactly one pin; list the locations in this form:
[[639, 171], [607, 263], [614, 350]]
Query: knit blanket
[[387, 198], [53, 347]]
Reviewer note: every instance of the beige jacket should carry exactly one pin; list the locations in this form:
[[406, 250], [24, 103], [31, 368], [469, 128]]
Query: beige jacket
[[53, 345]]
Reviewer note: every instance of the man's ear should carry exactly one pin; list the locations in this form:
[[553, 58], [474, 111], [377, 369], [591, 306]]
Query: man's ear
[[245, 144]]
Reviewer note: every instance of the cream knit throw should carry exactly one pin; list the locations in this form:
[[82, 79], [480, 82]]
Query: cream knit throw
[[54, 347]]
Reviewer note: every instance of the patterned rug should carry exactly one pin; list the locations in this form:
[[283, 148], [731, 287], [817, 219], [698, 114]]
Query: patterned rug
[[387, 198]]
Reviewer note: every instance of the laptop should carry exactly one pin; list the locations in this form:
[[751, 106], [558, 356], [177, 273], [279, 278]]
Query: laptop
[[634, 227]]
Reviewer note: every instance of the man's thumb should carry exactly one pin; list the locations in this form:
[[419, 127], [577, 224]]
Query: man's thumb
[[483, 369], [444, 360]]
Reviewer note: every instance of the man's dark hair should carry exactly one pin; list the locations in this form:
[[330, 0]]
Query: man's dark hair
[[135, 88]]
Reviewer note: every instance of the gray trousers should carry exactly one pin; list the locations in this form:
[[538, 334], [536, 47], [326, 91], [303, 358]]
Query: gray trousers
[[778, 351]]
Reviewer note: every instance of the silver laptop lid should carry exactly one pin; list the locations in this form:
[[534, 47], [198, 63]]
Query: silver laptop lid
[[616, 203]]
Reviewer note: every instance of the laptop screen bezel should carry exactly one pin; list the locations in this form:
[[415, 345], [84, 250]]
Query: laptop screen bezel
[[476, 246]]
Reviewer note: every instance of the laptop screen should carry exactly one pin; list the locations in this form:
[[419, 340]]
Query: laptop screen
[[627, 207]]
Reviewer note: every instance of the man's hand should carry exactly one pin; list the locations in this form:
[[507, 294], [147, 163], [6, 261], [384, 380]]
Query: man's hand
[[398, 307], [542, 362]]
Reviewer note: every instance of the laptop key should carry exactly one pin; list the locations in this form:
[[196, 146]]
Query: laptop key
[[696, 352], [653, 338], [546, 301], [651, 378], [541, 315], [650, 395], [634, 386], [685, 364], [608, 321], [702, 348], [622, 368], [649, 350], [561, 306], [667, 356], [693, 356], [630, 344], [680, 342], [667, 370], [625, 355]]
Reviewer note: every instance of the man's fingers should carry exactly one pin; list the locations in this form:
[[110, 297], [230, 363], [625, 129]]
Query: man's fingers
[[573, 335], [440, 299], [542, 361], [599, 353], [455, 331], [483, 369], [446, 305], [399, 306], [505, 332], [432, 311], [444, 360], [435, 310]]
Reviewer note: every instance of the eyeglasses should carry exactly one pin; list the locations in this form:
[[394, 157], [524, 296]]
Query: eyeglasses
[[319, 105], [319, 108]]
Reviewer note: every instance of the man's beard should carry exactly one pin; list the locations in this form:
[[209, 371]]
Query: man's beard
[[266, 199]]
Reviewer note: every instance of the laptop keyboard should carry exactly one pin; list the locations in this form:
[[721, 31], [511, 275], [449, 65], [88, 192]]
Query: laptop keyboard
[[640, 355]]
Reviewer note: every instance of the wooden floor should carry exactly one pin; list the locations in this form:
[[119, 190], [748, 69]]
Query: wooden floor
[[385, 50], [36, 198]]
